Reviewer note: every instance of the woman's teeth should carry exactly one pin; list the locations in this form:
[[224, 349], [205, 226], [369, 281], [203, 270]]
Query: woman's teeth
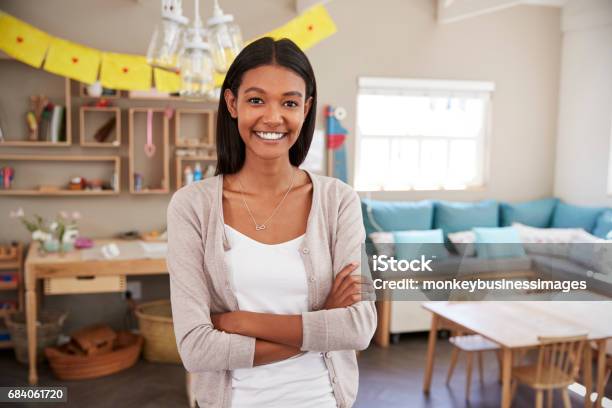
[[270, 135]]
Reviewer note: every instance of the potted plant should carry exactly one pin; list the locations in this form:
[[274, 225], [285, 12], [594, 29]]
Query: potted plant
[[57, 235]]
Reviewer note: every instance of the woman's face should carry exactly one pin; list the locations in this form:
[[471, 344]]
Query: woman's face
[[270, 108]]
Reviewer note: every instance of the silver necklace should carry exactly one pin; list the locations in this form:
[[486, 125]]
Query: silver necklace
[[262, 226]]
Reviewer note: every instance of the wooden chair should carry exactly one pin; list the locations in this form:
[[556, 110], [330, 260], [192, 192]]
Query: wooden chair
[[471, 344], [608, 370], [556, 367]]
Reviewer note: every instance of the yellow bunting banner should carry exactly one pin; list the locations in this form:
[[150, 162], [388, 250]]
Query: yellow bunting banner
[[22, 41], [308, 29], [167, 81], [73, 61], [127, 72], [131, 72]]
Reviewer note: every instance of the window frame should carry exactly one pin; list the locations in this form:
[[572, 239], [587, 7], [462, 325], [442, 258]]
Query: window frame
[[429, 87]]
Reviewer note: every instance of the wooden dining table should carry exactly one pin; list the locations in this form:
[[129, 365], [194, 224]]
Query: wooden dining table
[[516, 325]]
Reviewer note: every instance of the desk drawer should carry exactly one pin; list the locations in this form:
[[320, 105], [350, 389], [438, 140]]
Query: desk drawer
[[84, 284]]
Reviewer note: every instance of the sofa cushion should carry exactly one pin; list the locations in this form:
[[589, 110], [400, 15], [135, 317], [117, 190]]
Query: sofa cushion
[[574, 216], [407, 244], [455, 217], [537, 213], [603, 225], [396, 215], [494, 243]]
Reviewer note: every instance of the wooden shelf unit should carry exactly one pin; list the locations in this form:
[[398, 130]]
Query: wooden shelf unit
[[36, 192], [14, 264], [205, 140], [164, 182], [180, 160], [44, 143], [86, 141]]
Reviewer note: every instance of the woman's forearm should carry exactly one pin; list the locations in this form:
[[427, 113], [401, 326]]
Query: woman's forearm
[[283, 329], [268, 352]]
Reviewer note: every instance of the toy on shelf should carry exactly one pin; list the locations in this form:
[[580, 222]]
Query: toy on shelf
[[7, 174]]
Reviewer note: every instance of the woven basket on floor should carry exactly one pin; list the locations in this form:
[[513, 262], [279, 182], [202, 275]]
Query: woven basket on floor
[[48, 328], [155, 323], [68, 365]]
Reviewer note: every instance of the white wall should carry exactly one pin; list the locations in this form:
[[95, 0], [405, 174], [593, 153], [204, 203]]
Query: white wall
[[585, 103]]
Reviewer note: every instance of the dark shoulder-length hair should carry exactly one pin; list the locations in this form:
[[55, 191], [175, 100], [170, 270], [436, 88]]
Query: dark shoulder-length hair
[[265, 51]]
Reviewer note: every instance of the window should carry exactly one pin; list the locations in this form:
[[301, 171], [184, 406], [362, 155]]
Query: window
[[421, 134]]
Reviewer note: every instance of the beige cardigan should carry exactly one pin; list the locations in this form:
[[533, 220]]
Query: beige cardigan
[[200, 284]]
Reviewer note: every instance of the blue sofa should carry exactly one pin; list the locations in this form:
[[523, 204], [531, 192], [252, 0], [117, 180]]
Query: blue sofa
[[461, 216]]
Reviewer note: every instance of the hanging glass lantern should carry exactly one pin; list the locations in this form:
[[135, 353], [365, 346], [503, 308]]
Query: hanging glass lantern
[[224, 37], [195, 62], [167, 37]]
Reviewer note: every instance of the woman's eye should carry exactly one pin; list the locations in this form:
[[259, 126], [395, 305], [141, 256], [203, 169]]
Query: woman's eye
[[292, 104], [255, 101]]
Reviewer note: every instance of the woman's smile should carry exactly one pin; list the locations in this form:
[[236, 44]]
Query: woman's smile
[[271, 136]]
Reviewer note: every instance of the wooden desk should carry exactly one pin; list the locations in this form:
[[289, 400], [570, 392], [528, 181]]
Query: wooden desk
[[516, 325], [71, 264]]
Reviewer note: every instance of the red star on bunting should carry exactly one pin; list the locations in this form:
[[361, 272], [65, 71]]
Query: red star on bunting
[[75, 60], [125, 70], [20, 39], [310, 27]]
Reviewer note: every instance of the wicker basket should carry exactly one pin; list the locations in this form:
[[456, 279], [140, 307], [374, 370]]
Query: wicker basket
[[68, 365], [155, 323], [48, 328]]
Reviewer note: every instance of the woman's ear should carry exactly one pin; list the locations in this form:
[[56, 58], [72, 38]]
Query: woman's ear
[[307, 106], [230, 101]]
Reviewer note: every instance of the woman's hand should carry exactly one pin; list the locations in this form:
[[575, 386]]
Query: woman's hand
[[347, 289], [229, 322]]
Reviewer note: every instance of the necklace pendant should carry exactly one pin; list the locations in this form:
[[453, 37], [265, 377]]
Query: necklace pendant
[[260, 227]]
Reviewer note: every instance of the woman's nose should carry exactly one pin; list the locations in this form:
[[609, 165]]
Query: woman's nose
[[272, 116]]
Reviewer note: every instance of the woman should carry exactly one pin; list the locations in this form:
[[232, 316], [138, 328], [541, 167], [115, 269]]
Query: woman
[[267, 299]]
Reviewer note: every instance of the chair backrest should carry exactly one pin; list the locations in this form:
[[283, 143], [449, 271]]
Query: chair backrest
[[559, 359]]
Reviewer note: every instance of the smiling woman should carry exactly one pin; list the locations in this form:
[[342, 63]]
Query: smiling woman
[[267, 299]]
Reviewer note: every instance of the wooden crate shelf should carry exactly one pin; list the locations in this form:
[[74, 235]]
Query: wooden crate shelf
[[155, 170], [32, 81], [204, 135], [208, 160], [87, 130], [20, 191]]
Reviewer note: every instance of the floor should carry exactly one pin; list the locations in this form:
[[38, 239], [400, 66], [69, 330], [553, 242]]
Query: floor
[[389, 378]]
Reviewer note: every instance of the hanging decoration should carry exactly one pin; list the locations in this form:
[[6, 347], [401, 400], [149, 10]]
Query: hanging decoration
[[22, 41], [336, 147], [29, 45], [127, 72], [73, 61]]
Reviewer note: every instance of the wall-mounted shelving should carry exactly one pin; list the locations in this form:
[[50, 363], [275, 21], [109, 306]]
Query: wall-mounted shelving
[[13, 111], [94, 120], [149, 174], [46, 176], [41, 173], [201, 133]]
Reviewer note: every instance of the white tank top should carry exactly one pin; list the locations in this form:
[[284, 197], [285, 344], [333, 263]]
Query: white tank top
[[272, 279]]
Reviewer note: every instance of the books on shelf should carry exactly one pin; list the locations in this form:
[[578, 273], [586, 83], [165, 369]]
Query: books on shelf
[[51, 126], [57, 124]]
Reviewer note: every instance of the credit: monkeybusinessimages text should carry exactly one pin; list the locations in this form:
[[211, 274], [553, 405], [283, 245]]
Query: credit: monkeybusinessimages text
[[384, 263]]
